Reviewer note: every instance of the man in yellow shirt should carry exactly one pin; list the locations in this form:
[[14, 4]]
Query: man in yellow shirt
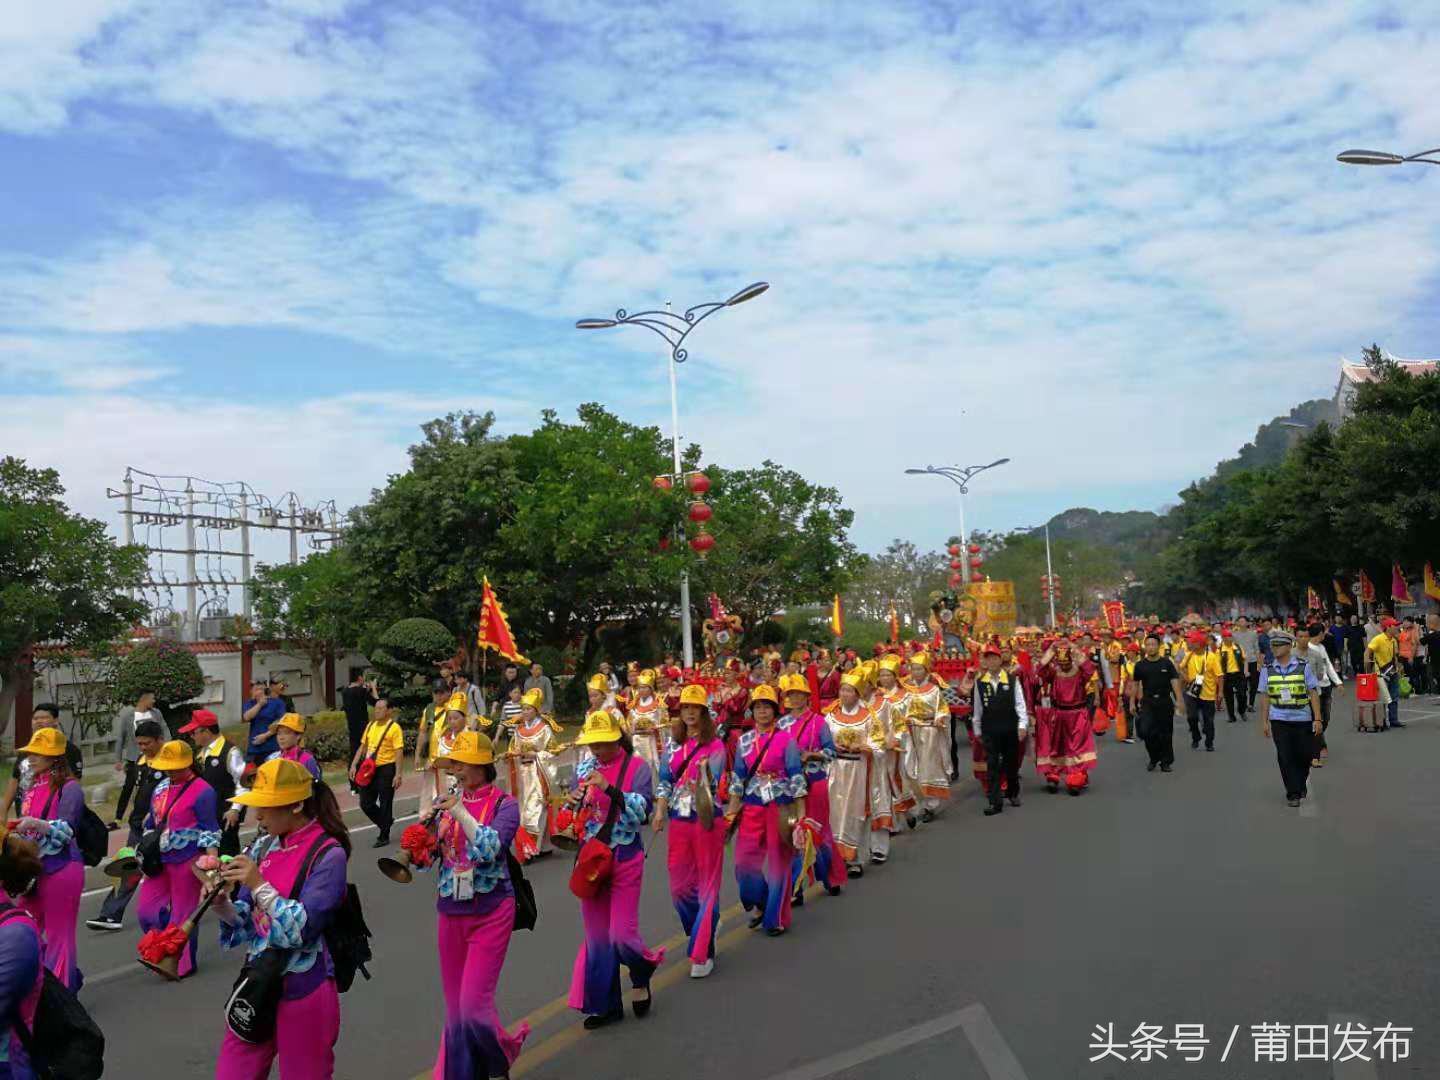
[[376, 769], [1201, 673], [1380, 658], [1233, 663]]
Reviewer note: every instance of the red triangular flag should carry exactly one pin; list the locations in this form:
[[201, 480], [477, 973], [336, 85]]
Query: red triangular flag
[[1399, 587], [495, 627]]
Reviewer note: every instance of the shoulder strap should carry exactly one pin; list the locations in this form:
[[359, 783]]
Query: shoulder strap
[[170, 803], [614, 810], [322, 843]]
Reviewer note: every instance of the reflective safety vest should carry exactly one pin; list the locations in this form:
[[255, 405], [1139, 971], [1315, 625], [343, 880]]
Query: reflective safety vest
[[1286, 689]]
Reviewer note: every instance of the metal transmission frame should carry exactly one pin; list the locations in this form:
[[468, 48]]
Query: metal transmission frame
[[674, 329], [207, 510]]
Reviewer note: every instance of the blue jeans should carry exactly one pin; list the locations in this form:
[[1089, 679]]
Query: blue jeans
[[1393, 682]]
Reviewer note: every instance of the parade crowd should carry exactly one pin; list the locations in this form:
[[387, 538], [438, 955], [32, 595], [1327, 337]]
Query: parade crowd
[[806, 767]]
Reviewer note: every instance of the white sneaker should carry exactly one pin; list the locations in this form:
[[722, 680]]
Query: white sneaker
[[699, 971]]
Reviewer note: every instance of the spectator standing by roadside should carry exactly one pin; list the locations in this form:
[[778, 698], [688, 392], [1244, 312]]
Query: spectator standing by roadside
[[510, 711], [540, 681], [1355, 641], [474, 699], [262, 712], [149, 737], [356, 700], [279, 688], [1408, 644], [127, 752], [1383, 659], [1308, 647]]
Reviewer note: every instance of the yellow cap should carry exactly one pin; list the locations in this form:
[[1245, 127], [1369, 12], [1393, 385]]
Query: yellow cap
[[921, 658], [794, 684], [534, 698], [854, 679], [293, 722], [280, 782], [646, 678], [694, 695], [47, 742], [600, 727], [890, 664], [173, 755], [471, 748], [765, 692], [458, 703], [598, 682]]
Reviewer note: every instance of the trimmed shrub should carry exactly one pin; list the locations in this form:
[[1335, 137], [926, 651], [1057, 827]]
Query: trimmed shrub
[[408, 656], [167, 668]]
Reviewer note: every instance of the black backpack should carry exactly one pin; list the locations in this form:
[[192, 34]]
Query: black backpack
[[66, 1044], [526, 910], [347, 937]]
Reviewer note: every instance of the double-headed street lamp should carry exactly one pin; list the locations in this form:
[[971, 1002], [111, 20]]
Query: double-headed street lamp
[[1383, 157], [675, 329], [960, 476]]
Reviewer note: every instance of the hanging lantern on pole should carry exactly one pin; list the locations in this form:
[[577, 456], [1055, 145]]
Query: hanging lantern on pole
[[702, 543], [698, 483], [662, 483], [954, 549], [974, 549], [955, 581], [700, 512], [976, 576], [955, 564]]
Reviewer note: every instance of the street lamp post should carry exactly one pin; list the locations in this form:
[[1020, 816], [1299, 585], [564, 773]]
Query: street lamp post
[[675, 329], [1383, 157], [960, 476], [1049, 570]]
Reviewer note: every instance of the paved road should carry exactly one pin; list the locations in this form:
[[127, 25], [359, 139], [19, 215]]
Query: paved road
[[987, 948]]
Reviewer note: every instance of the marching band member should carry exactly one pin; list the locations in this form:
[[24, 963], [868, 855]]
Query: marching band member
[[612, 916], [528, 761], [183, 808], [50, 814], [929, 718], [647, 721], [696, 849], [289, 733], [812, 738], [439, 726], [901, 770], [860, 743], [306, 842], [476, 912], [768, 777]]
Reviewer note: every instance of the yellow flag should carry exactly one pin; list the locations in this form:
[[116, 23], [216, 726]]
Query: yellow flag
[[837, 618]]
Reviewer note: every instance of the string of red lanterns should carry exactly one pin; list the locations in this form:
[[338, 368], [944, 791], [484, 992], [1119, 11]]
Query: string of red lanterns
[[697, 483]]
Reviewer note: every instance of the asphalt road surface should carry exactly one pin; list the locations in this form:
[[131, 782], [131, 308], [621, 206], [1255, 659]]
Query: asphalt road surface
[[987, 948]]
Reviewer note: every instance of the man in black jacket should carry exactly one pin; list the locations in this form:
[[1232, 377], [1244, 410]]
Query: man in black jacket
[[149, 737], [999, 721]]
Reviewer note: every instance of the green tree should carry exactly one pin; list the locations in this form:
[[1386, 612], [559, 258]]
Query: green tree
[[313, 604], [1086, 572], [407, 656], [779, 541], [166, 669], [62, 578], [904, 574]]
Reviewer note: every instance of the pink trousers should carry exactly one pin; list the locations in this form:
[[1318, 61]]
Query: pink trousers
[[472, 952], [696, 860], [612, 938], [167, 900], [306, 1031], [55, 905]]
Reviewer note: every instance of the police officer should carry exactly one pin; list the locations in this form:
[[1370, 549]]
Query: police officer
[[1289, 696]]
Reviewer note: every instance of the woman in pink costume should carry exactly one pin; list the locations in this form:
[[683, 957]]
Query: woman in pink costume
[[183, 809], [291, 883], [50, 814], [475, 828], [1065, 680], [768, 776], [612, 918], [696, 852], [817, 749]]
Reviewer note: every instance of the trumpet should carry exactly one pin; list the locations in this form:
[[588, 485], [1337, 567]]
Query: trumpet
[[398, 869], [168, 967]]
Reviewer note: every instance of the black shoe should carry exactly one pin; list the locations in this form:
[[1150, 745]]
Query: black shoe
[[833, 890], [927, 816], [756, 921], [1211, 749], [854, 870], [383, 840], [642, 1005], [775, 931], [798, 900], [1150, 767], [910, 820], [1052, 786], [604, 1019], [1014, 800], [993, 809], [1292, 801], [1397, 724], [1232, 720], [1194, 744], [1166, 768]]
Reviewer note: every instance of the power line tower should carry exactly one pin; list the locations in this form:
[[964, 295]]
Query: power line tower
[[209, 511]]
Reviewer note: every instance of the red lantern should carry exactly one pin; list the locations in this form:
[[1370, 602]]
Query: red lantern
[[699, 512], [974, 549], [702, 543], [955, 580], [977, 576], [954, 549], [955, 564], [698, 482], [662, 483], [976, 559]]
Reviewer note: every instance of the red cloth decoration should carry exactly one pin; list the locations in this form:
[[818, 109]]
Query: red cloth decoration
[[156, 945], [421, 843]]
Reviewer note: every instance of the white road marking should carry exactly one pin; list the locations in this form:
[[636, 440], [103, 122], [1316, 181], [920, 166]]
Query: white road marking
[[1354, 1069], [995, 1054]]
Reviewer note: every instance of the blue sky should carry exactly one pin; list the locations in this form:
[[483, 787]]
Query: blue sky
[[265, 241]]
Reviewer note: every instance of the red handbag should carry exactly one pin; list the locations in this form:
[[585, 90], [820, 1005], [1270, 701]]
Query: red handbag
[[366, 771], [595, 863]]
